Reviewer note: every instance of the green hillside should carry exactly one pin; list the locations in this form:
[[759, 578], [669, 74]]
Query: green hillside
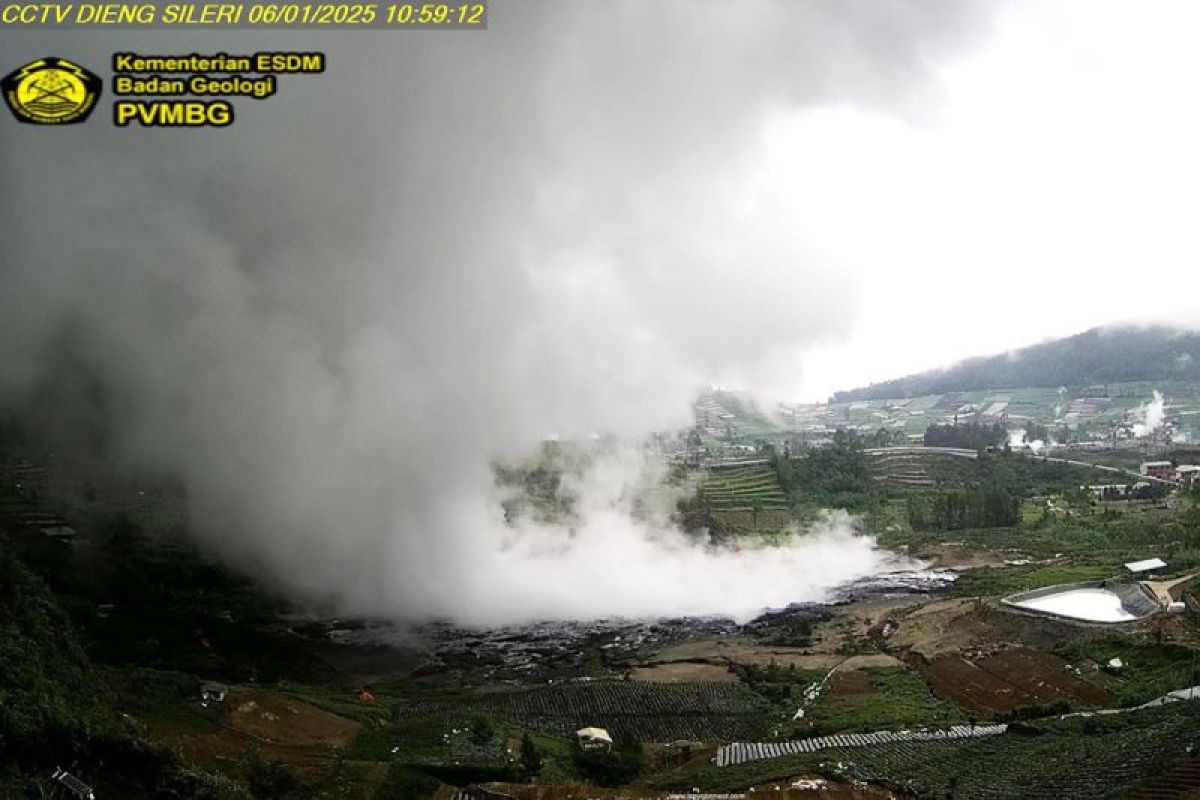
[[744, 487], [1098, 356]]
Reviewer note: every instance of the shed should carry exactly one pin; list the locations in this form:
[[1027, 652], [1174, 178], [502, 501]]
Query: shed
[[1149, 565], [593, 738], [1188, 473], [213, 692]]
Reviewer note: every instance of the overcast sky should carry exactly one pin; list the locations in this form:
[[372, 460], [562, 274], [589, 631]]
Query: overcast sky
[[1055, 187]]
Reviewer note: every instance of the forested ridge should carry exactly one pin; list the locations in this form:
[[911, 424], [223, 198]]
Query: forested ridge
[[1098, 356]]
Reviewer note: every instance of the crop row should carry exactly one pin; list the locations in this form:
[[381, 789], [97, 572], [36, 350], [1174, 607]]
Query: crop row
[[1095, 757], [642, 711]]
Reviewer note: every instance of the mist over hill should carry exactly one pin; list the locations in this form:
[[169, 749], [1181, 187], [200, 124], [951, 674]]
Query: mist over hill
[[1100, 355]]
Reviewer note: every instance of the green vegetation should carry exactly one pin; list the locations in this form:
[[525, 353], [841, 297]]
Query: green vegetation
[[993, 582], [752, 487], [616, 767], [1150, 670], [893, 698], [69, 674], [990, 507], [272, 780], [531, 758], [644, 712], [1098, 356], [1040, 759], [536, 488], [55, 708], [1089, 543], [968, 435], [404, 783], [829, 477]]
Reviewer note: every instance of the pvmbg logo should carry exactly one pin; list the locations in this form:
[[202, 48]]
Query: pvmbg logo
[[51, 91]]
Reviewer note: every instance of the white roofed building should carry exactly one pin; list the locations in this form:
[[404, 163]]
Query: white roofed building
[[593, 739], [1188, 473], [1147, 567]]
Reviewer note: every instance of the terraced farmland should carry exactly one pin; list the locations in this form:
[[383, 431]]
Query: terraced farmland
[[915, 467], [1080, 757], [740, 488], [647, 712]]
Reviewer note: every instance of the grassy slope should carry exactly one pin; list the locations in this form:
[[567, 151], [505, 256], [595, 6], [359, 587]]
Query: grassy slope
[[55, 710]]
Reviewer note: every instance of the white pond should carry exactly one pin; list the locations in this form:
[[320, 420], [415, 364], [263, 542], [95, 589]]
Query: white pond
[[1093, 605]]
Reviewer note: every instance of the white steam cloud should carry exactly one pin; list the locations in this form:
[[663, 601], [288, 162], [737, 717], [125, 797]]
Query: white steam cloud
[[328, 320], [1149, 415]]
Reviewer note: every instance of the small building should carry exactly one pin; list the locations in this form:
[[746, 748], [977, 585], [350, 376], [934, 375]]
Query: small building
[[213, 692], [1188, 474], [73, 785], [1148, 568], [1107, 491], [1163, 470], [593, 739]]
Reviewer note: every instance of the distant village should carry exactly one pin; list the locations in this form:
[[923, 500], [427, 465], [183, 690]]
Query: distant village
[[1151, 432]]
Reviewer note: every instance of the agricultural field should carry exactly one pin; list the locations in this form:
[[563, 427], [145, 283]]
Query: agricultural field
[[644, 712], [874, 699], [742, 489], [457, 706], [1039, 760], [1054, 407], [1008, 680]]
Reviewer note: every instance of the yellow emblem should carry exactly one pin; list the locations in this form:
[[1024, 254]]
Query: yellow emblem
[[51, 91]]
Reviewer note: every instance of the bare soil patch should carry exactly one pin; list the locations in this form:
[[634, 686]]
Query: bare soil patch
[[683, 672], [746, 651], [869, 661], [1044, 677], [287, 721], [954, 555], [277, 726], [943, 626], [1007, 680], [850, 682]]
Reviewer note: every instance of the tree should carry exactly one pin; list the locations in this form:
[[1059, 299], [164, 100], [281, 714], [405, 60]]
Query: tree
[[482, 731], [271, 780], [405, 783], [531, 758], [985, 507], [617, 767], [971, 435], [882, 438]]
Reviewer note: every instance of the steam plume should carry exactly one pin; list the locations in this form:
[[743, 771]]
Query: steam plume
[[327, 320], [1149, 415]]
